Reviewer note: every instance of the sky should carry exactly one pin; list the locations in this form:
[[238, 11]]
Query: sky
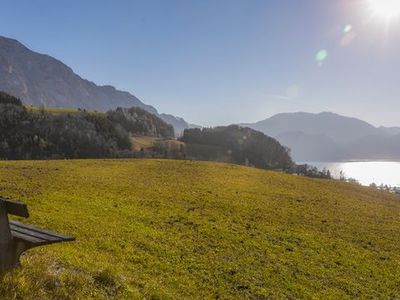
[[217, 62]]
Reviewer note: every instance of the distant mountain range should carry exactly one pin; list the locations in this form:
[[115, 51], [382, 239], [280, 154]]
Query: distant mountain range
[[39, 79], [331, 137]]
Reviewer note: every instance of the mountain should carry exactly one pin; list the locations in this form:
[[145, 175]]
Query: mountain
[[330, 137], [337, 127], [179, 124], [390, 130], [319, 147], [377, 147], [41, 80]]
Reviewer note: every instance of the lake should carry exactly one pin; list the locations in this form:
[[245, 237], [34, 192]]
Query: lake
[[365, 172]]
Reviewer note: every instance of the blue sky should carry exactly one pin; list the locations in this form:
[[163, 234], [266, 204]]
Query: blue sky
[[216, 62]]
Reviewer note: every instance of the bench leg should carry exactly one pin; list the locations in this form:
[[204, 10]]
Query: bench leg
[[6, 258], [10, 255]]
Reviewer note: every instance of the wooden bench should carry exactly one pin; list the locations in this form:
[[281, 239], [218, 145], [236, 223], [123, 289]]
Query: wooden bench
[[16, 237]]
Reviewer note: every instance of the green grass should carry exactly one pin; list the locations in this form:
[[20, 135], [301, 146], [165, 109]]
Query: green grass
[[160, 229]]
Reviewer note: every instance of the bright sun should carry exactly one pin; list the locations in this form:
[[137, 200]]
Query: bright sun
[[386, 8]]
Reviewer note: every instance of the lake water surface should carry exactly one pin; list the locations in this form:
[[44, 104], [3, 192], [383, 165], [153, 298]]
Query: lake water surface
[[366, 172]]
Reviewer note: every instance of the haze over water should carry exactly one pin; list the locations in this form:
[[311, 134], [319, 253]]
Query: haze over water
[[379, 172]]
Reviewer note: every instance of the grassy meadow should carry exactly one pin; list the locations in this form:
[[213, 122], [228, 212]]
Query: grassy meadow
[[163, 229]]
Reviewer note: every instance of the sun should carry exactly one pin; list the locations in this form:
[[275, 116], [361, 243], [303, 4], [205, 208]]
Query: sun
[[387, 9]]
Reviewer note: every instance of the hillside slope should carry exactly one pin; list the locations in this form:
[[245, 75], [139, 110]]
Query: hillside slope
[[41, 80], [179, 229]]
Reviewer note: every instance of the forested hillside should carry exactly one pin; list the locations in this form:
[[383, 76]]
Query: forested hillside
[[243, 145], [27, 133], [140, 122], [30, 134]]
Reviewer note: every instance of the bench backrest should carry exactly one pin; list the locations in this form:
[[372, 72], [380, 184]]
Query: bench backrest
[[15, 208]]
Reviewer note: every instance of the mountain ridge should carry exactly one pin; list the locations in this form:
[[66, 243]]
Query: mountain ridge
[[42, 80], [328, 136]]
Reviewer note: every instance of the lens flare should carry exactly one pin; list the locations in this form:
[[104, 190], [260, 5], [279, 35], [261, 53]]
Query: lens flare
[[321, 55], [347, 39], [348, 28], [385, 8]]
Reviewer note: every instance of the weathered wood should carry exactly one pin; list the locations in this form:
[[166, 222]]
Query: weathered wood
[[6, 258], [16, 208], [16, 237], [45, 236], [28, 238], [5, 234]]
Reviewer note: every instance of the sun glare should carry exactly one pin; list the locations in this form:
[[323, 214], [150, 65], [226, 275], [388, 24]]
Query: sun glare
[[385, 8]]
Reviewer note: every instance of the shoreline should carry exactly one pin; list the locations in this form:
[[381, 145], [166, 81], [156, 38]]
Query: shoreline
[[365, 172], [350, 161]]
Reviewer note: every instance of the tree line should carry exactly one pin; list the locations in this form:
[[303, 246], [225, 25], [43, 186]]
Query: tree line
[[26, 134], [244, 145]]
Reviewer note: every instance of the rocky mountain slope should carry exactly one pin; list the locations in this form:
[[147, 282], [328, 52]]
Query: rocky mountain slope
[[42, 80]]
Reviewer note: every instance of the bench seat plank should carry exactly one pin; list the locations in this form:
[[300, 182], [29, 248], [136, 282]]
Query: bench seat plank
[[36, 235], [28, 238]]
